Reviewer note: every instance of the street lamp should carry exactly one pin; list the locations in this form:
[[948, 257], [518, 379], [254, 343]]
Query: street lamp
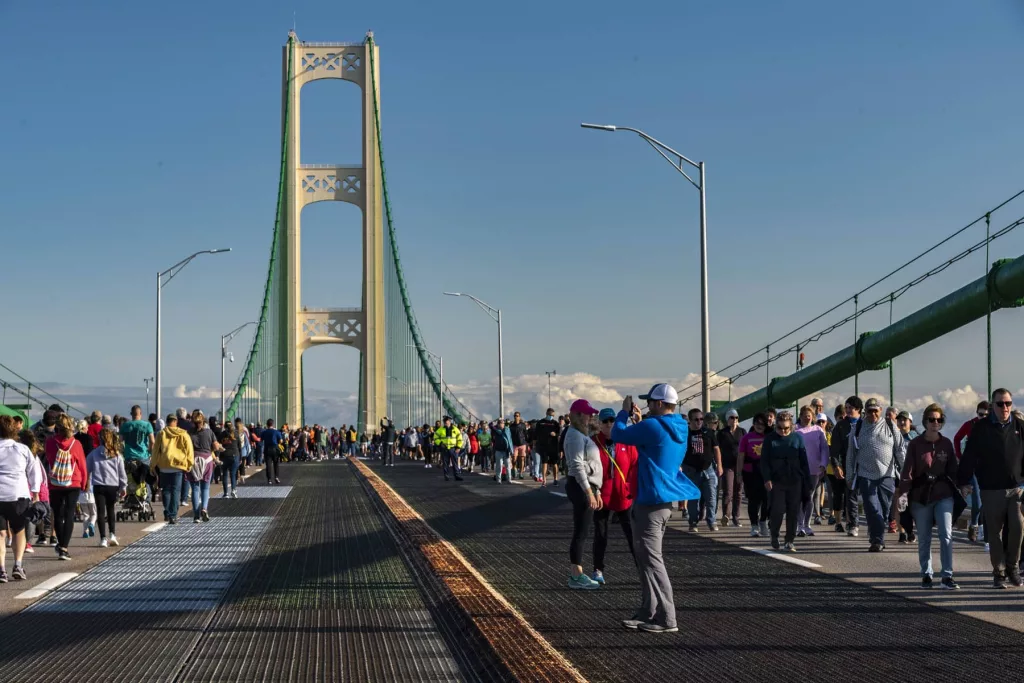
[[408, 400], [550, 374], [225, 339], [146, 381], [440, 377], [495, 314], [160, 282], [661, 148]]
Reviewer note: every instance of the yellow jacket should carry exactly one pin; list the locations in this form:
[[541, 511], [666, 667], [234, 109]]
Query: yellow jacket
[[449, 437], [172, 450]]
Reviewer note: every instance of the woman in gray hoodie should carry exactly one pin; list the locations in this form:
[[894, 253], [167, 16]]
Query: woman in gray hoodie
[[109, 482]]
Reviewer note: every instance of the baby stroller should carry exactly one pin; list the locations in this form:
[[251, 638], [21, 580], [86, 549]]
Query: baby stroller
[[136, 502]]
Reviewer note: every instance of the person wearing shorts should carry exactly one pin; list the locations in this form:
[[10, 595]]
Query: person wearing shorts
[[520, 444], [545, 443]]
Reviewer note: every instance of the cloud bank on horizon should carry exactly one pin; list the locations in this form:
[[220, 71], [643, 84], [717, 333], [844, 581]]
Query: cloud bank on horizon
[[527, 394]]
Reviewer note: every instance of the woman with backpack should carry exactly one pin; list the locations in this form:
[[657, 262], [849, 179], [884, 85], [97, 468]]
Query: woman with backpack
[[109, 482], [68, 477], [204, 444]]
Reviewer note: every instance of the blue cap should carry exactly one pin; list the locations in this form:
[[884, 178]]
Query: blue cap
[[605, 414]]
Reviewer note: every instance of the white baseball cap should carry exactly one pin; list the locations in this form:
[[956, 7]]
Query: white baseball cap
[[661, 392]]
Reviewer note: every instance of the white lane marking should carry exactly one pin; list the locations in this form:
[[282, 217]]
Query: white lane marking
[[45, 587], [559, 494], [785, 558], [154, 527]]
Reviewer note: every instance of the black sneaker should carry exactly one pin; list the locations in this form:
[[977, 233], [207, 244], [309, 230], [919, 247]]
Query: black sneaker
[[64, 554], [1014, 578], [276, 480], [999, 581], [205, 515], [903, 538], [775, 542], [876, 548], [911, 537], [949, 584], [926, 582], [831, 519], [19, 573], [839, 527], [3, 576]]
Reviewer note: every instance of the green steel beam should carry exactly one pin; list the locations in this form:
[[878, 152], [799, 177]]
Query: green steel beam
[[1003, 287]]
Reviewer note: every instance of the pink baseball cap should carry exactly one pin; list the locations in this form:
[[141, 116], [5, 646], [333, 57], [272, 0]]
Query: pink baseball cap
[[583, 407]]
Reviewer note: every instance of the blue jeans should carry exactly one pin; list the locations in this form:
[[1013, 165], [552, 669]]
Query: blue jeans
[[535, 470], [975, 502], [876, 494], [707, 482], [186, 489], [229, 474], [941, 513], [501, 460], [170, 483], [200, 497]]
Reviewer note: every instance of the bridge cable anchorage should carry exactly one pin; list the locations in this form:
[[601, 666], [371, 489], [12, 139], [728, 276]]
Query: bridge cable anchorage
[[895, 294], [849, 299]]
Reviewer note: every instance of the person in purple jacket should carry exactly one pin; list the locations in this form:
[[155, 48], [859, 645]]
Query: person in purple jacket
[[817, 460]]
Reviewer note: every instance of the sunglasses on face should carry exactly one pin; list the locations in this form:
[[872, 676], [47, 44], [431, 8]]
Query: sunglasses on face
[[733, 418], [935, 420], [610, 420], [1004, 404]]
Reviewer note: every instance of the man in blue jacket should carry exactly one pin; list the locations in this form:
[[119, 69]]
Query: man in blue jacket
[[660, 441]]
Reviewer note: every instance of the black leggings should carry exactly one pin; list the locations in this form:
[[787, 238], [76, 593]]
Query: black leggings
[[838, 496], [757, 497], [273, 460], [63, 501], [106, 496], [582, 516], [601, 534]]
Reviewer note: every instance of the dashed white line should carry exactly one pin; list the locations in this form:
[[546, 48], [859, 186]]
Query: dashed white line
[[779, 556], [154, 527], [45, 587]]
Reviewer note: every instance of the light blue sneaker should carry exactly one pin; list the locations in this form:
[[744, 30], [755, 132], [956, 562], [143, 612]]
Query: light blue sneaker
[[598, 576], [583, 582]]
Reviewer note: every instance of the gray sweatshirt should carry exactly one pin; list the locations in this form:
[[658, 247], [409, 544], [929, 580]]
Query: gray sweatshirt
[[104, 471], [876, 453], [583, 458]]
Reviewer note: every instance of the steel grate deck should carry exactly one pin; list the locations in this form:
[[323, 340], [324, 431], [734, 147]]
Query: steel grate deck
[[738, 613], [263, 491]]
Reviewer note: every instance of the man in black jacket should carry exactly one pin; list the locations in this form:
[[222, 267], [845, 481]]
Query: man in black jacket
[[995, 454], [837, 453], [703, 465]]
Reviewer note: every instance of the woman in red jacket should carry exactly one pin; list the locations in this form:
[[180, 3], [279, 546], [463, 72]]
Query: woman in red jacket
[[619, 481], [68, 477]]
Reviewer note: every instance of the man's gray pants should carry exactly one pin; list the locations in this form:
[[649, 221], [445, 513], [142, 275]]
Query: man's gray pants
[[656, 605], [1001, 507]]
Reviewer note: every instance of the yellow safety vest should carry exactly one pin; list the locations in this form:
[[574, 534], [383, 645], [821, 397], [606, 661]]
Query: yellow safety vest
[[449, 438]]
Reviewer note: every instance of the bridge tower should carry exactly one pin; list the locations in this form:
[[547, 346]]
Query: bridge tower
[[361, 328]]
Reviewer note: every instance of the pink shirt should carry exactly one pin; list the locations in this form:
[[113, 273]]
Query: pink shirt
[[750, 447]]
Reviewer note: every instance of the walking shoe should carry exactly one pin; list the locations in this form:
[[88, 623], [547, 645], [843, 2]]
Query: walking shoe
[[195, 520], [694, 529], [41, 540], [801, 533], [972, 534], [632, 624], [999, 581], [64, 555], [831, 519], [736, 523], [876, 548], [649, 627], [852, 531], [57, 549], [764, 528], [554, 483], [926, 581], [839, 527], [789, 548], [903, 537], [234, 494], [583, 582], [1013, 576], [949, 584], [276, 480], [85, 532], [817, 520], [911, 537], [113, 540], [205, 515], [598, 576], [19, 573], [3, 576], [775, 542], [755, 532], [53, 540], [809, 531], [712, 527], [172, 520], [225, 495], [104, 543]]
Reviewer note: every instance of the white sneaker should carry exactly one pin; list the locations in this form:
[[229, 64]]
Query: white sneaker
[[234, 494], [103, 543], [225, 495], [764, 528], [755, 532], [852, 531], [113, 540]]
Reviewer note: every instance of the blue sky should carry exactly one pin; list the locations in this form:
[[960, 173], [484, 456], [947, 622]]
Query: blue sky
[[840, 140]]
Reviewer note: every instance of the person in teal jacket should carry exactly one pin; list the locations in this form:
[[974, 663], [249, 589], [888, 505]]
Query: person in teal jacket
[[660, 442]]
